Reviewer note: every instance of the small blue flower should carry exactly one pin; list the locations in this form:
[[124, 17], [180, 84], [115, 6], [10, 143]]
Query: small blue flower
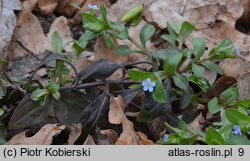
[[236, 130], [237, 49], [94, 7], [165, 137], [148, 85]]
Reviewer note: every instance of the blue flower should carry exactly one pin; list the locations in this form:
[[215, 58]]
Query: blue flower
[[236, 130], [165, 137], [237, 49], [94, 7], [148, 85]]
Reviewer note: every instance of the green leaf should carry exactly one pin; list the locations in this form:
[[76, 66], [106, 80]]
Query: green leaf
[[170, 38], [185, 100], [213, 105], [146, 33], [152, 109], [181, 81], [230, 96], [237, 140], [201, 82], [53, 87], [31, 115], [133, 13], [173, 28], [2, 61], [123, 35], [104, 15], [108, 40], [3, 134], [159, 93], [94, 27], [183, 134], [182, 124], [199, 47], [89, 18], [171, 63], [38, 93], [213, 137], [135, 21], [165, 53], [139, 75], [57, 42], [123, 50], [2, 91], [186, 29], [1, 111], [56, 95], [198, 70], [245, 104], [235, 117], [213, 67]]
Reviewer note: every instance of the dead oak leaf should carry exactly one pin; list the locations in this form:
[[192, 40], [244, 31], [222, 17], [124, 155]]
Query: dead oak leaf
[[117, 116], [43, 137], [75, 132]]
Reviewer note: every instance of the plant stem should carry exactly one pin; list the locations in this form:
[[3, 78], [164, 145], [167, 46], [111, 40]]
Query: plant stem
[[139, 46], [98, 83]]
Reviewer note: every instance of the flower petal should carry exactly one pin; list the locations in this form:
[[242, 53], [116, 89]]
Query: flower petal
[[144, 83], [153, 84], [150, 89], [165, 137], [145, 88], [148, 80]]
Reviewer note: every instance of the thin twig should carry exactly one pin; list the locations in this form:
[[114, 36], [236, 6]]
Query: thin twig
[[98, 83], [183, 7], [27, 50]]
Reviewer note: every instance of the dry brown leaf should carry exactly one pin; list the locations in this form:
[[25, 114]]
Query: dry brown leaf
[[116, 116], [143, 139], [43, 137], [89, 141], [235, 67], [104, 52], [128, 135], [47, 7], [199, 12], [75, 132], [30, 33], [244, 86], [65, 8], [61, 26], [220, 86], [29, 5], [197, 123], [106, 137], [116, 110]]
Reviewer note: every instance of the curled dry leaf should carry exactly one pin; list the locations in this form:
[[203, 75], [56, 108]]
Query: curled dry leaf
[[143, 139], [75, 132], [106, 137], [43, 137], [89, 141], [117, 116]]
